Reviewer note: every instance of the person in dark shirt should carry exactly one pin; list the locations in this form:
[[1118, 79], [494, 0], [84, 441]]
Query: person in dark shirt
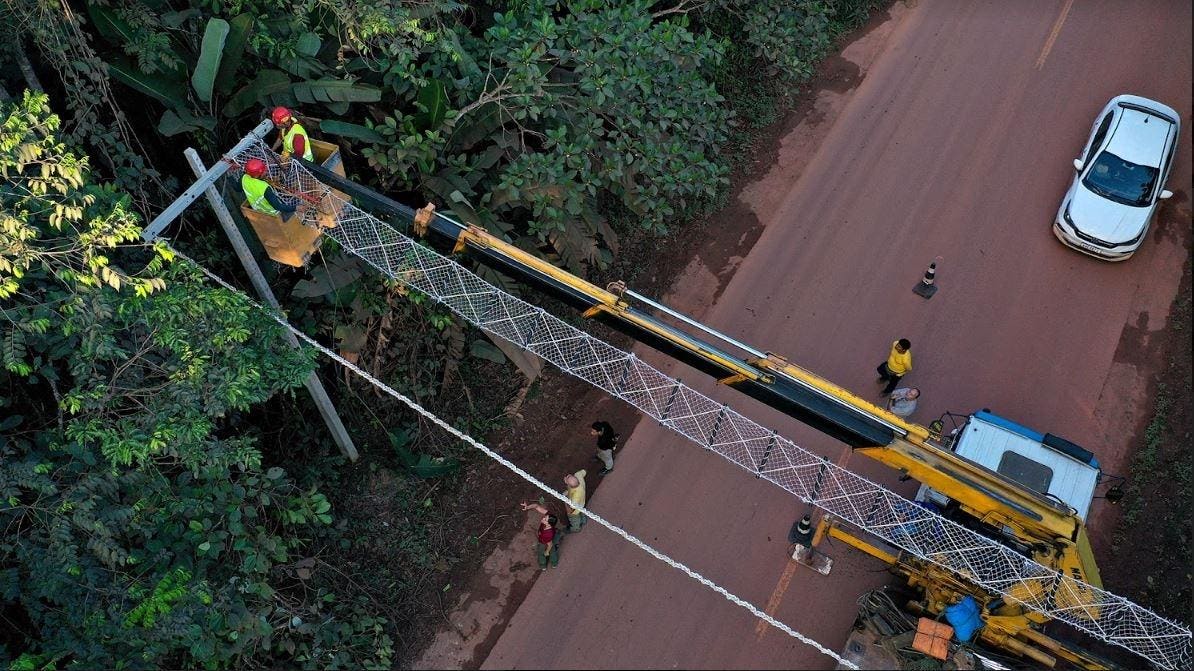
[[607, 442], [279, 204]]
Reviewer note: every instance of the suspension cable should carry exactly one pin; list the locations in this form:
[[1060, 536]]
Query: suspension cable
[[430, 416]]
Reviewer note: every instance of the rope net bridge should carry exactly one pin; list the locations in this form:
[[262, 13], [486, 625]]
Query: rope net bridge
[[717, 427], [729, 596]]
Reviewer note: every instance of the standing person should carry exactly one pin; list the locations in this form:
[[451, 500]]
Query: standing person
[[258, 192], [547, 547], [898, 364], [902, 402], [292, 135], [575, 492], [607, 441]]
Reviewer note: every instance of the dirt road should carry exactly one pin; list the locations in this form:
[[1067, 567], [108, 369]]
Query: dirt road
[[955, 142]]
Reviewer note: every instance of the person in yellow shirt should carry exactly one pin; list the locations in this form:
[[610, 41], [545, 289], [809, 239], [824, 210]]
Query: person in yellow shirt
[[898, 364], [575, 492]]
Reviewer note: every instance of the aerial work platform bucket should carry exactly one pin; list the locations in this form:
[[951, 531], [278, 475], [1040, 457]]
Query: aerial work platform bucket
[[291, 241]]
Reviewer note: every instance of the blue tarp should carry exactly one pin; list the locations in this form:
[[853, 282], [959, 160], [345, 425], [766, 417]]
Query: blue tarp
[[964, 617]]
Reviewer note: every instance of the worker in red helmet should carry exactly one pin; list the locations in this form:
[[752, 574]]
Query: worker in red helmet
[[292, 134], [258, 192]]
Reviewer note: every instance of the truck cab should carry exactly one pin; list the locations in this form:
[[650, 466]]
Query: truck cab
[[1048, 465]]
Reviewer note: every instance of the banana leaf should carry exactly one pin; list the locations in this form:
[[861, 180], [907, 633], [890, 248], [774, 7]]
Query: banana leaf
[[338, 272], [174, 123], [484, 350], [303, 67], [176, 19], [335, 90], [240, 28], [109, 25], [530, 364], [349, 130], [260, 91], [433, 98], [421, 465], [210, 53], [480, 125], [170, 92], [303, 64], [308, 44]]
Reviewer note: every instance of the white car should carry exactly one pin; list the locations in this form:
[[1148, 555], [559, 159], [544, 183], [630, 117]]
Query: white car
[[1120, 177]]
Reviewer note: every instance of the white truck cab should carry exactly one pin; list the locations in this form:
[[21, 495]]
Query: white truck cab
[[1046, 464]]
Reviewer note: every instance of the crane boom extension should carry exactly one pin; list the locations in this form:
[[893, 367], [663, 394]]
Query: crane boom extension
[[1053, 534]]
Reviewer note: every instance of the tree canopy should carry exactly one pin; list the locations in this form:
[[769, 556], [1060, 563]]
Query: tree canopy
[[141, 526], [537, 119], [146, 525]]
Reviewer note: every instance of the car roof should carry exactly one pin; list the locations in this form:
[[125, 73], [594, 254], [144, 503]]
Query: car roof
[[1140, 137]]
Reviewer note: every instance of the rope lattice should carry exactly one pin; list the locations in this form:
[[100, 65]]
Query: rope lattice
[[715, 426], [731, 597]]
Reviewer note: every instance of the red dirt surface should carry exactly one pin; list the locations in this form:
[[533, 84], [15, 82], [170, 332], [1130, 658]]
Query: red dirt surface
[[952, 136]]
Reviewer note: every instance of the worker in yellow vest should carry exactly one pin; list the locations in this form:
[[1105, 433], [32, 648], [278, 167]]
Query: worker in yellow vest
[[295, 141], [259, 194]]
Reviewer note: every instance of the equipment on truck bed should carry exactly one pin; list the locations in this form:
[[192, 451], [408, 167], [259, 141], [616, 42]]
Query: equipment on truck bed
[[1042, 463]]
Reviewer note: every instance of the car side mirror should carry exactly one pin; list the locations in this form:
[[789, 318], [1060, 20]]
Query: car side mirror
[[1165, 194], [1078, 164]]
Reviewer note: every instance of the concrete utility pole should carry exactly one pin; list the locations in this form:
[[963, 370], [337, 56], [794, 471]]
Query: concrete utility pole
[[318, 393]]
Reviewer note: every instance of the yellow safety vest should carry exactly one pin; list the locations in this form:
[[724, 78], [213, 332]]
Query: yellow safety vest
[[255, 194], [288, 141]]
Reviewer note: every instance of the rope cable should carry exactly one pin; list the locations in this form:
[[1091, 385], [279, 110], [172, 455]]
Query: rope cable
[[413, 405]]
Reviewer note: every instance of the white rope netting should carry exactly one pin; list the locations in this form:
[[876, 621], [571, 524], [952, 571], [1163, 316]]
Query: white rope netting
[[730, 596], [715, 426]]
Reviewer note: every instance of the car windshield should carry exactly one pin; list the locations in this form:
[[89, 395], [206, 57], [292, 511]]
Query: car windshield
[[1124, 182]]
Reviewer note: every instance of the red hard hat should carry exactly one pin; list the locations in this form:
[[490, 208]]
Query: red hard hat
[[255, 167], [280, 115]]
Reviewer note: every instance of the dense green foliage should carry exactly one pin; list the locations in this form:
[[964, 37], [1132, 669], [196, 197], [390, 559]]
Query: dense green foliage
[[146, 524], [538, 119], [141, 527]]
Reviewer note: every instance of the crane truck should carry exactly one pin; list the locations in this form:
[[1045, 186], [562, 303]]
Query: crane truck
[[1028, 491]]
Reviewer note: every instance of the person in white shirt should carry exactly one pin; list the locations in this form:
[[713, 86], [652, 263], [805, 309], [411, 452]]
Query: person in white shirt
[[902, 402]]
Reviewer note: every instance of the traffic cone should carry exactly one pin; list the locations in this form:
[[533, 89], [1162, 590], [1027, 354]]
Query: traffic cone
[[802, 531], [925, 288], [801, 537]]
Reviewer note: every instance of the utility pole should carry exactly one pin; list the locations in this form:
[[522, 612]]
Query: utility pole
[[314, 386], [173, 210]]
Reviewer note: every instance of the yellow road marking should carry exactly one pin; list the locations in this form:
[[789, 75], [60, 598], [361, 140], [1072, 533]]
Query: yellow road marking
[[785, 578], [777, 595], [1065, 10], [845, 458]]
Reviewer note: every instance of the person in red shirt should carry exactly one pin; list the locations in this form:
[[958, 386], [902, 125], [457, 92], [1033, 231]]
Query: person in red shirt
[[547, 546]]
